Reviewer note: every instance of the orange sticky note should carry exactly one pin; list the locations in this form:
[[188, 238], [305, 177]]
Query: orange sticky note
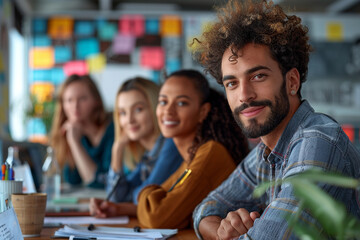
[[42, 58], [152, 57], [61, 27], [76, 67], [42, 90], [96, 63], [171, 26]]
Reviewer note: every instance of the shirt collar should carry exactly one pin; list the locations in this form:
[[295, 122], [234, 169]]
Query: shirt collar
[[281, 147], [154, 152]]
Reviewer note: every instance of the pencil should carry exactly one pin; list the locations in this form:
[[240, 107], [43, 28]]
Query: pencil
[[181, 179]]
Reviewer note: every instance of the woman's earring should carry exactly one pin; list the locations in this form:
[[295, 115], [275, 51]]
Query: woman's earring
[[293, 92]]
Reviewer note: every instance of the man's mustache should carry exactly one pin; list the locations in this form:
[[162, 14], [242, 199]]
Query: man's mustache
[[244, 106]]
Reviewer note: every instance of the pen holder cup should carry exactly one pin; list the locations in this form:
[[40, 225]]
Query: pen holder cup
[[8, 187], [30, 211]]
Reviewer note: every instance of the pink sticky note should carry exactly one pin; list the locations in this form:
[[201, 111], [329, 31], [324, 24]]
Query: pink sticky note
[[76, 67], [152, 57], [123, 44], [132, 25]]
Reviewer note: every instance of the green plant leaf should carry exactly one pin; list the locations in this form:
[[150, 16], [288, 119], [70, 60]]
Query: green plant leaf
[[330, 213], [336, 179]]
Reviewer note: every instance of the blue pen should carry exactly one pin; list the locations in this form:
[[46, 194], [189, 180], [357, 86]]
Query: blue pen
[[11, 174]]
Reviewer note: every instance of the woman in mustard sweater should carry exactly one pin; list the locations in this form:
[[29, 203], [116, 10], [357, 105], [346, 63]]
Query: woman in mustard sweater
[[201, 124]]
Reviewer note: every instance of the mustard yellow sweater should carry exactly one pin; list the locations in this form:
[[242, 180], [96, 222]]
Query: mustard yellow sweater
[[158, 208]]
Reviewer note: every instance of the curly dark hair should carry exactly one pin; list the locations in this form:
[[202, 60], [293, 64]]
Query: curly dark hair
[[219, 125], [243, 22]]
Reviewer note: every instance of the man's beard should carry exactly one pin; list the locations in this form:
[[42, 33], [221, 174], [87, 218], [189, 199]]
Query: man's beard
[[278, 112]]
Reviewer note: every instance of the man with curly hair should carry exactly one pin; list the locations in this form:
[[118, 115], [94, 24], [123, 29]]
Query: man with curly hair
[[260, 55]]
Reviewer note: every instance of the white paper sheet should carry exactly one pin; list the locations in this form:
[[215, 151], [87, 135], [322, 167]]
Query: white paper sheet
[[86, 220], [114, 233]]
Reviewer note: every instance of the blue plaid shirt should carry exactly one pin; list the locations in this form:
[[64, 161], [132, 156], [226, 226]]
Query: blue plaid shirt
[[310, 140]]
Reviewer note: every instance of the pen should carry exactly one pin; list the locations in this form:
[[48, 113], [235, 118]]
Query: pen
[[181, 179], [3, 170], [117, 182]]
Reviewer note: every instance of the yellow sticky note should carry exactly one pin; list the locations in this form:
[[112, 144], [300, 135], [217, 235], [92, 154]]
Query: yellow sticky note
[[334, 31], [42, 58], [96, 63], [61, 27], [43, 91], [171, 26]]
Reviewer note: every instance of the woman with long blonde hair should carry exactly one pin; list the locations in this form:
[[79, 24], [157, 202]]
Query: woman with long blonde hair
[[82, 132]]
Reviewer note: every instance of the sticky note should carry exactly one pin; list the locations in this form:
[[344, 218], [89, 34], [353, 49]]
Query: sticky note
[[42, 90], [173, 65], [152, 26], [41, 41], [57, 76], [334, 31], [62, 54], [132, 25], [61, 27], [96, 62], [40, 75], [39, 26], [41, 58], [84, 28], [35, 126], [85, 47], [123, 44], [152, 57], [107, 31], [76, 67], [171, 26]]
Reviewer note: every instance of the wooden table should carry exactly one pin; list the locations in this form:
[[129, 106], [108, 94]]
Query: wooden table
[[187, 234]]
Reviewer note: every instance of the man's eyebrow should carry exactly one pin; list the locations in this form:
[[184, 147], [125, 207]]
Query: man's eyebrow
[[257, 68], [249, 71]]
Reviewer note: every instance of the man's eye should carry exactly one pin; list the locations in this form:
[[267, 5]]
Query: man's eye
[[259, 77], [122, 113], [230, 84]]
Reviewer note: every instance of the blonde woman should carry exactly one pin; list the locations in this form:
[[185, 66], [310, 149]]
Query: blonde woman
[[82, 132]]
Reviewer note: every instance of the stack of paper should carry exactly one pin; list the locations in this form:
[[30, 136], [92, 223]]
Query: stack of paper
[[106, 233]]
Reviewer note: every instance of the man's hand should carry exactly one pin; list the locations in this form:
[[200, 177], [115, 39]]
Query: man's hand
[[236, 224]]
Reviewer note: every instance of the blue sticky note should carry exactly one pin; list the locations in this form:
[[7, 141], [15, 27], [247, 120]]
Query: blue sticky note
[[39, 26], [36, 126], [57, 76], [152, 26], [107, 31], [40, 75], [86, 47], [156, 76], [172, 65], [62, 54], [84, 28], [41, 41]]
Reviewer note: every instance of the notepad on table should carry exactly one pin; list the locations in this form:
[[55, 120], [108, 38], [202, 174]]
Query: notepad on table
[[114, 233]]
